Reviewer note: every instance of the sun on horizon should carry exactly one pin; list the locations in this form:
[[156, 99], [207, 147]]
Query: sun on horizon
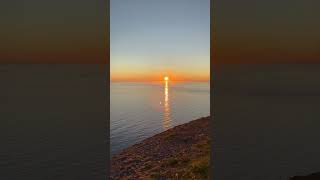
[[166, 78]]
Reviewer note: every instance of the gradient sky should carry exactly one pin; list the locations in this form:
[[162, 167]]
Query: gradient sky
[[153, 38], [266, 31], [53, 31]]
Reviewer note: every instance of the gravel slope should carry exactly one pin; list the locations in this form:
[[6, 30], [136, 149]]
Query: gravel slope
[[181, 152]]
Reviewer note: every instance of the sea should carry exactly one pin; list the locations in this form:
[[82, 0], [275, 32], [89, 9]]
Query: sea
[[139, 110]]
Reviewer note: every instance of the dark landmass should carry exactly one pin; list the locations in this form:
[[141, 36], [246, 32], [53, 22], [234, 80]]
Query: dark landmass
[[314, 176], [182, 152]]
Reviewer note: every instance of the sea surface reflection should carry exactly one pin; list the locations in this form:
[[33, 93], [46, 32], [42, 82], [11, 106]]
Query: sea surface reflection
[[166, 109], [140, 110]]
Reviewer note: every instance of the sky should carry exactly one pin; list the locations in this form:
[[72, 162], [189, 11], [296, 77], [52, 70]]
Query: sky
[[58, 31], [266, 31], [150, 39]]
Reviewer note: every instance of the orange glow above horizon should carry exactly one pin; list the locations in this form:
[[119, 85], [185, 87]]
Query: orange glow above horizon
[[137, 76], [150, 68], [149, 79]]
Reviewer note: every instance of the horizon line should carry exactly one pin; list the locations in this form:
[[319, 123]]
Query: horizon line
[[160, 80]]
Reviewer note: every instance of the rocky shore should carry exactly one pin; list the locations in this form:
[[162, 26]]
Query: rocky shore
[[182, 152]]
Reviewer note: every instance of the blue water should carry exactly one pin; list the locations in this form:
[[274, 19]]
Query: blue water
[[140, 110]]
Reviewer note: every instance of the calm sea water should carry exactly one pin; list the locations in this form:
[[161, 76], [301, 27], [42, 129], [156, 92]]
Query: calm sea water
[[140, 110]]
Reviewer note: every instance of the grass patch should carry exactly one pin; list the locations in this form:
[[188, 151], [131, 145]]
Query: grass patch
[[200, 168]]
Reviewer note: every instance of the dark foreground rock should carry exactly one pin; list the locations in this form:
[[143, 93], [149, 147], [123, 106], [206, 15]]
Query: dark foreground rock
[[314, 176], [182, 152]]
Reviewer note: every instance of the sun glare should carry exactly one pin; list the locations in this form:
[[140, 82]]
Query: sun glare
[[166, 78]]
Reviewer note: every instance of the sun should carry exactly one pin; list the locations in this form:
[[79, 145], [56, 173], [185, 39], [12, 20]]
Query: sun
[[166, 78]]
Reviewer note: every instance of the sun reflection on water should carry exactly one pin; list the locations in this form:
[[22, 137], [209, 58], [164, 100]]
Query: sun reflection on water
[[166, 111]]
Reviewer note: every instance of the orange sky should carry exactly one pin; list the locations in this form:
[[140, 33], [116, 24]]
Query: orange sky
[[158, 76], [138, 69]]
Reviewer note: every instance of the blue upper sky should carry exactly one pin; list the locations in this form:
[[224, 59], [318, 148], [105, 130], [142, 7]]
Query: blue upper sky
[[160, 35]]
